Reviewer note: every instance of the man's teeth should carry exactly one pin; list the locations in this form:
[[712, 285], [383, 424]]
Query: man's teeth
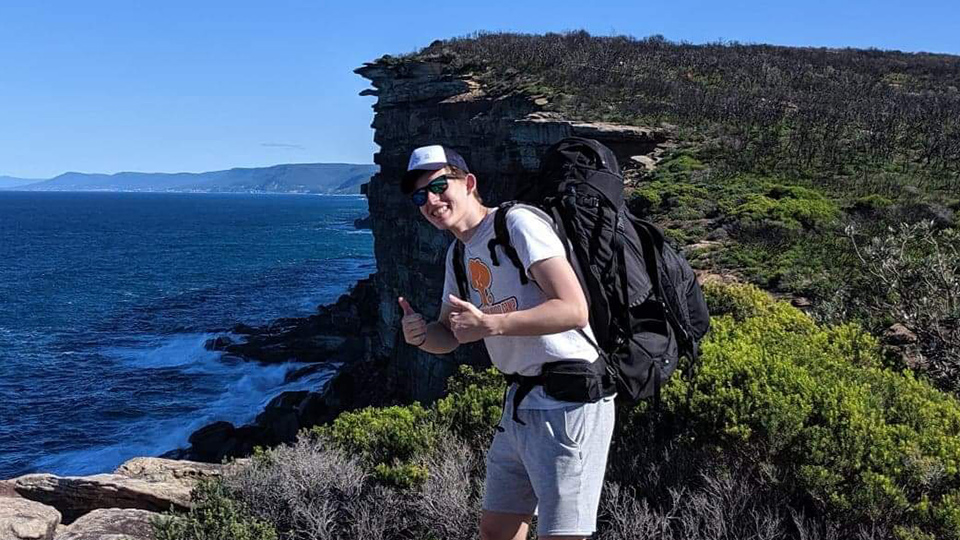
[[439, 212]]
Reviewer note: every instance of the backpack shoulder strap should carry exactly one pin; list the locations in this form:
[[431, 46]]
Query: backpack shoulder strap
[[460, 270], [501, 237]]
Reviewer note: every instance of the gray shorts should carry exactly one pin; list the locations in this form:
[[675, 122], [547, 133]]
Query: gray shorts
[[553, 466]]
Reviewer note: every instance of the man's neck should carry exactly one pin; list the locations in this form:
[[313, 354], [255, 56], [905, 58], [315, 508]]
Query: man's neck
[[465, 228]]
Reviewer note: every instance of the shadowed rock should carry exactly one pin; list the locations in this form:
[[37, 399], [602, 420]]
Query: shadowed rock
[[74, 496], [22, 519], [111, 524]]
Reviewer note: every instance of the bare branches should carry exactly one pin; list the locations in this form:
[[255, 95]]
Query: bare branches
[[788, 107], [917, 272]]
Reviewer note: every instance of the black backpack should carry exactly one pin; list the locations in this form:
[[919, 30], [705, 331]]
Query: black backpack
[[646, 307]]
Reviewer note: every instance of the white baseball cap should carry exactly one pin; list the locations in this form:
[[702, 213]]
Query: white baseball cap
[[430, 158]]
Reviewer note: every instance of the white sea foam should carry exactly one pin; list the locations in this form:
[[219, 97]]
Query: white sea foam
[[241, 390], [168, 352]]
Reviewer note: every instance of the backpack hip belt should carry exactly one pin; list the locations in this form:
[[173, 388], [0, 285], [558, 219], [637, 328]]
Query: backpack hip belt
[[565, 380]]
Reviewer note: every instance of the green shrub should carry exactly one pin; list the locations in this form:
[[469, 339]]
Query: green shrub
[[870, 205], [382, 435], [393, 442], [214, 516], [863, 442], [680, 199], [795, 206], [473, 404], [401, 475]]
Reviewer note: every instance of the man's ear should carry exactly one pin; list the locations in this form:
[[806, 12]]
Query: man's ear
[[471, 183]]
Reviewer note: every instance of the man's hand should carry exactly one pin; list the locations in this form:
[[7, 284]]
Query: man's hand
[[467, 322], [414, 327]]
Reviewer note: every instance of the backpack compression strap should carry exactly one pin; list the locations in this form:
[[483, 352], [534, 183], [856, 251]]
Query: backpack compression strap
[[501, 237], [652, 243], [460, 270]]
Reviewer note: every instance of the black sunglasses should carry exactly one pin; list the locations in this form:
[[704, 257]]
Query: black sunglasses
[[436, 186]]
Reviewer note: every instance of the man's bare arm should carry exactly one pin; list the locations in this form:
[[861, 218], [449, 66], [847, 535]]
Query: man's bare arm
[[440, 339], [565, 308]]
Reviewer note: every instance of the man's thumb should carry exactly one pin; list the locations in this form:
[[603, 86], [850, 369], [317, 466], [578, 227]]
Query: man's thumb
[[405, 306], [457, 302]]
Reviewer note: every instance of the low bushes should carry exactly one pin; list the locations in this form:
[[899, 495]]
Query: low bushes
[[314, 490], [392, 442], [864, 443], [216, 515]]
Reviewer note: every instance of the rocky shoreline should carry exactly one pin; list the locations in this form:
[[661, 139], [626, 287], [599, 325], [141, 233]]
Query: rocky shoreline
[[340, 334]]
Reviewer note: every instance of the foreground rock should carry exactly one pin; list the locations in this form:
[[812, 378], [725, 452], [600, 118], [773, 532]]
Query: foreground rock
[[75, 496], [111, 524], [151, 484], [22, 519]]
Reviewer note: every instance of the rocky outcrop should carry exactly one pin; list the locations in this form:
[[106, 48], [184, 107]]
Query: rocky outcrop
[[111, 524], [150, 484], [168, 471], [343, 333], [356, 384], [74, 496], [898, 334], [502, 137], [22, 519], [340, 332]]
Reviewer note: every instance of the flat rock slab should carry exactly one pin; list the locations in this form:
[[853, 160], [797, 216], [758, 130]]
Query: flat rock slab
[[169, 470], [74, 496], [22, 519], [111, 524]]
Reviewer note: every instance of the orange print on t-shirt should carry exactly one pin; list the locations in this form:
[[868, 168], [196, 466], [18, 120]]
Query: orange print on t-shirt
[[481, 279]]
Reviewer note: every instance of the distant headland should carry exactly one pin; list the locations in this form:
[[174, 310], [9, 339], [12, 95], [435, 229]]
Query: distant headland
[[326, 178]]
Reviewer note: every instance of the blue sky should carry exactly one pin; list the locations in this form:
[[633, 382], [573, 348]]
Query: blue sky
[[109, 86]]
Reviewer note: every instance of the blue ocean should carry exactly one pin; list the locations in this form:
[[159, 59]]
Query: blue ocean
[[106, 300]]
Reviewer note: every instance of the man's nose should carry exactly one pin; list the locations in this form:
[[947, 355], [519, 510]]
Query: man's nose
[[432, 197]]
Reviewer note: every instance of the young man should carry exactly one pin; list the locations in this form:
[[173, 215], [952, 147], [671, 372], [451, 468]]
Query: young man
[[552, 462]]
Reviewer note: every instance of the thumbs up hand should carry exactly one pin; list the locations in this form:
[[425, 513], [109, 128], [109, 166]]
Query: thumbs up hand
[[414, 327], [467, 322]]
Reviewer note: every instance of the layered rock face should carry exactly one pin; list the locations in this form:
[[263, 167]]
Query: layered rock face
[[502, 138]]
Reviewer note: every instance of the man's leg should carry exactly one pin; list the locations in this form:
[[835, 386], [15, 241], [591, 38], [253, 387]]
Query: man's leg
[[509, 501], [503, 526], [565, 454]]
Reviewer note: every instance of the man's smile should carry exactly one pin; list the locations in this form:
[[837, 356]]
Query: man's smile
[[440, 211]]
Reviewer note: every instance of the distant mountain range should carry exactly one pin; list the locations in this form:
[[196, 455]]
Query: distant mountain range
[[7, 182], [292, 178]]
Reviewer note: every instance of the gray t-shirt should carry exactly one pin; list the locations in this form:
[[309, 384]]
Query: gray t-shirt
[[497, 289]]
